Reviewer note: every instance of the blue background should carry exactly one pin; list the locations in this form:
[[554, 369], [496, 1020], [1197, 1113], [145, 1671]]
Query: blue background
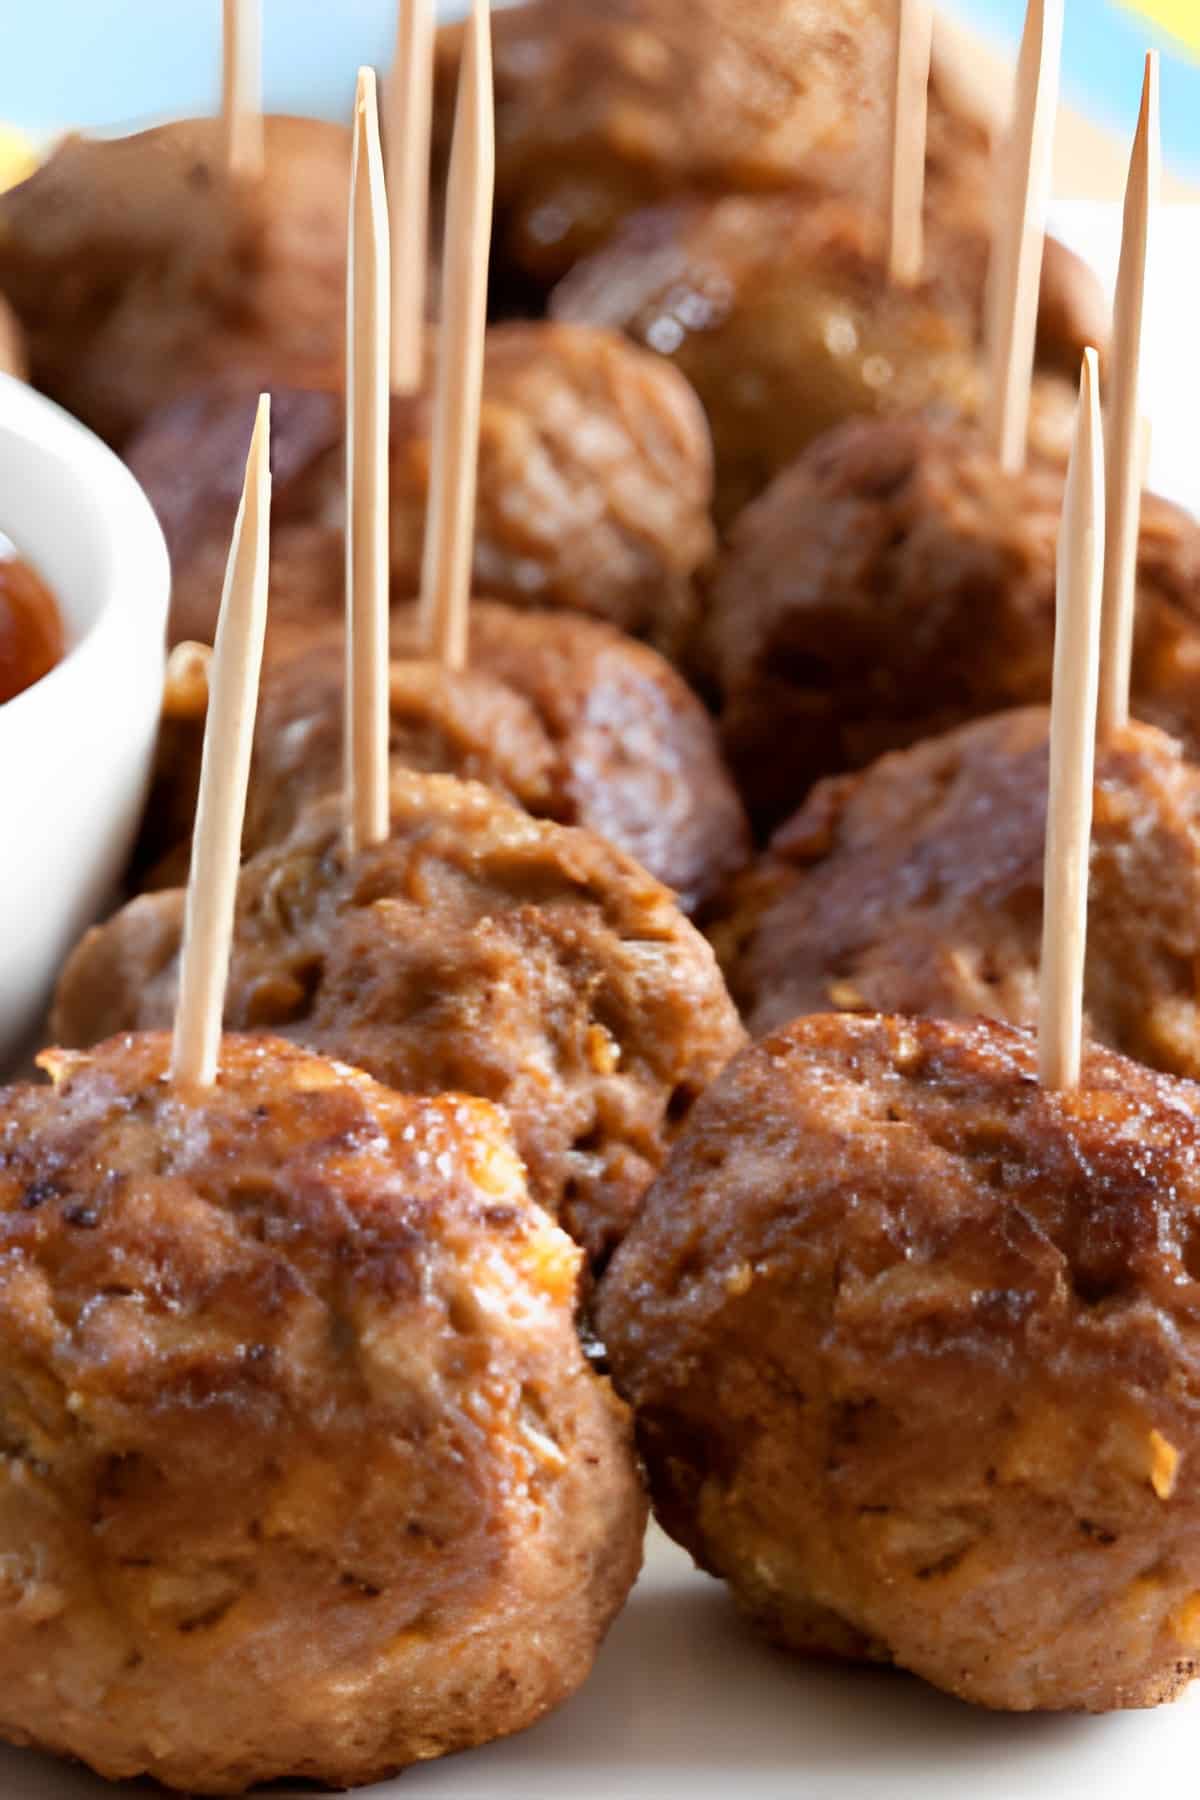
[[1103, 48], [109, 62]]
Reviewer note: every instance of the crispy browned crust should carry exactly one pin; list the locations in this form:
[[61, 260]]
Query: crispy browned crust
[[561, 714], [604, 108], [916, 887], [779, 311], [594, 487], [893, 583], [594, 484], [458, 722], [139, 269], [638, 758], [914, 1340], [305, 1474], [478, 950]]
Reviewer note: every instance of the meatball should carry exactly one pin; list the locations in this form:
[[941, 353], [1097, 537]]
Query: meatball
[[779, 311], [559, 713], [12, 347], [603, 108], [305, 1473], [594, 484], [916, 887], [895, 582], [187, 457], [465, 723], [139, 267], [638, 755], [913, 1346], [477, 950]]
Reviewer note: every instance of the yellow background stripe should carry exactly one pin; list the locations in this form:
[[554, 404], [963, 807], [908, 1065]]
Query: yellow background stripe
[[1180, 17]]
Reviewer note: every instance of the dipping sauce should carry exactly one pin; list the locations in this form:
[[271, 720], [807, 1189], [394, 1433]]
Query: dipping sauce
[[31, 633]]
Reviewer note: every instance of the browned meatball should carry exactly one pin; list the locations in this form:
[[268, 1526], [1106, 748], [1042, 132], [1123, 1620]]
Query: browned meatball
[[895, 582], [465, 723], [916, 887], [779, 311], [477, 950], [913, 1346], [561, 714], [186, 457], [139, 268], [305, 1473], [442, 721], [638, 755], [12, 345], [595, 479], [603, 106]]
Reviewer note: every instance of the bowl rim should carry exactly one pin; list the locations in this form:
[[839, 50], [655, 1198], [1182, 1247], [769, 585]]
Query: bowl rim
[[134, 581]]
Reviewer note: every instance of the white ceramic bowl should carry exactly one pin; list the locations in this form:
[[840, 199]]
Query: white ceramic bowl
[[75, 748]]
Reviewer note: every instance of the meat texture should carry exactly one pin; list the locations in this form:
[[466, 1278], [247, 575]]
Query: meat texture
[[602, 108], [478, 951], [305, 1473], [638, 756], [916, 887], [913, 1345], [779, 311], [140, 268], [594, 485], [895, 582], [559, 713], [460, 722]]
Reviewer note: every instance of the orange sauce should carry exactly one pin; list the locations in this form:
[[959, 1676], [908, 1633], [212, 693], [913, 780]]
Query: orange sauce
[[31, 633]]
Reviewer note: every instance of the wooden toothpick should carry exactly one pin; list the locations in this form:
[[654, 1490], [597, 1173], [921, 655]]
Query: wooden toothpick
[[1123, 451], [911, 48], [1072, 744], [408, 102], [241, 87], [367, 408], [450, 522], [224, 772], [1015, 270]]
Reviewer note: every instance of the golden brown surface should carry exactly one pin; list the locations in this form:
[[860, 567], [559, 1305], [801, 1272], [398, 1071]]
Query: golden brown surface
[[479, 951], [594, 484], [561, 714], [638, 758], [465, 723], [916, 887], [31, 632], [442, 721], [139, 269], [604, 106], [305, 1473], [893, 583], [914, 1350]]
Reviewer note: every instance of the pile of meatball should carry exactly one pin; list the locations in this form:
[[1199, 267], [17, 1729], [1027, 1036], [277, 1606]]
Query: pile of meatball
[[657, 1107]]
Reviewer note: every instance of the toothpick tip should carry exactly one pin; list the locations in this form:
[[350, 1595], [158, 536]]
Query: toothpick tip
[[365, 91]]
